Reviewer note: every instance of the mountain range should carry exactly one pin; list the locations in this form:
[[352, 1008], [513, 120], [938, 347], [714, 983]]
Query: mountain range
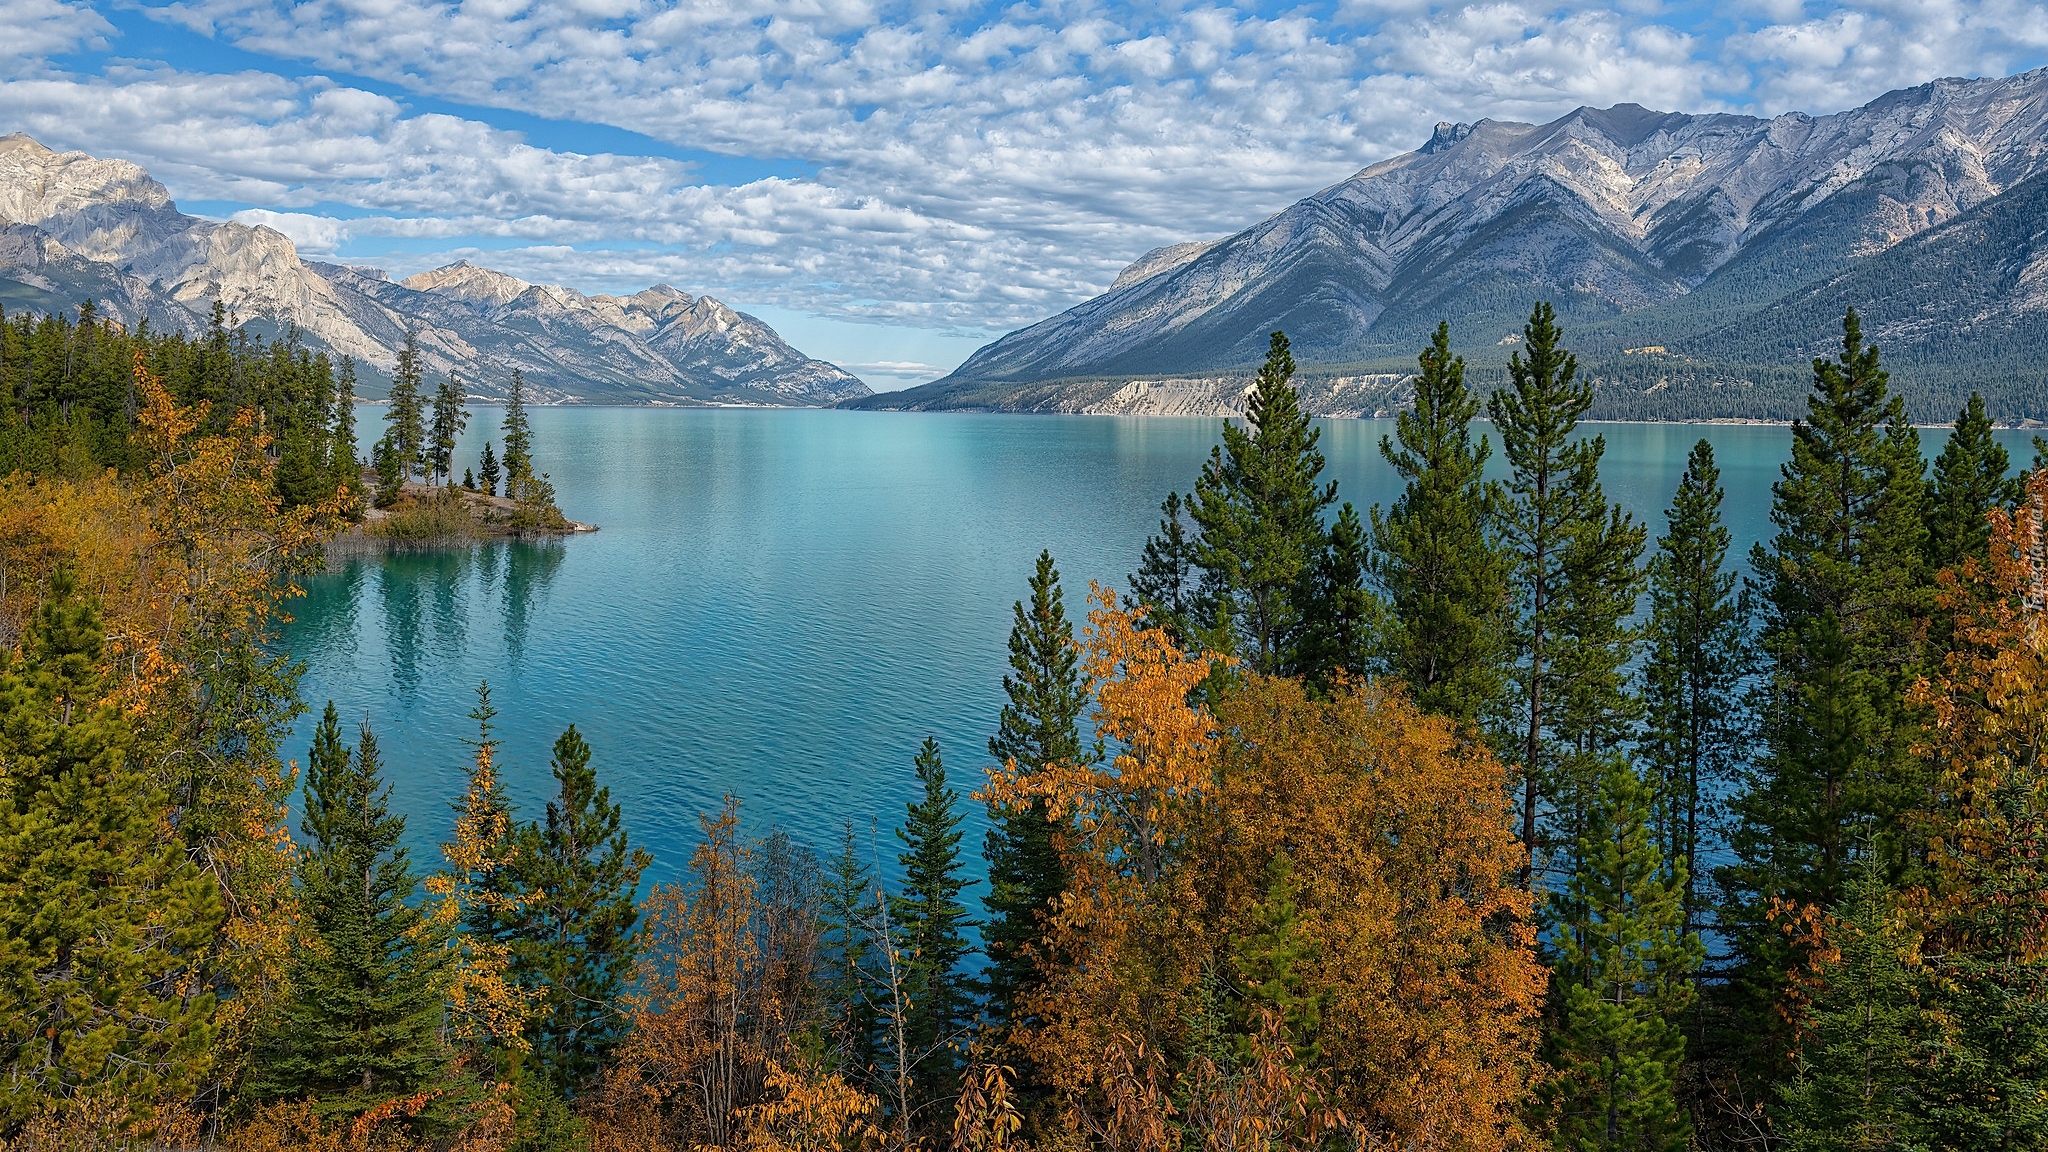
[[1697, 263], [75, 228]]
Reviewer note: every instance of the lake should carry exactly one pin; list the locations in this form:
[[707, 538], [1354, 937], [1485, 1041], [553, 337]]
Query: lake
[[782, 604]]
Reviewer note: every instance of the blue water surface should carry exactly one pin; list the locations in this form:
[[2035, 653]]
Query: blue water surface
[[781, 605]]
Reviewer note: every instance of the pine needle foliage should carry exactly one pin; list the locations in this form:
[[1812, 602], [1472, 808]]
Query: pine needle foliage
[[1435, 564], [1040, 725], [1259, 504], [362, 1028]]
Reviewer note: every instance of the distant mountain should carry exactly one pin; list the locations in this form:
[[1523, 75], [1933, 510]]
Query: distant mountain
[[1697, 262], [75, 228]]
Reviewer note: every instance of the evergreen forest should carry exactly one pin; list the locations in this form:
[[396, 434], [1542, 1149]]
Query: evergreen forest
[[1492, 818]]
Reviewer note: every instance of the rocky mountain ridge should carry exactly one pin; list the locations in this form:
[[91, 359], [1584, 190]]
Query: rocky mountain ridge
[[1729, 244], [74, 227]]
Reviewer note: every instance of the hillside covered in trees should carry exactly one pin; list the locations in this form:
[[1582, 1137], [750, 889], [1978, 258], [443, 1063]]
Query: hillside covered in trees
[[1489, 819]]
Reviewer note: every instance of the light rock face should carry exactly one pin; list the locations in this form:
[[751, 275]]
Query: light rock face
[[1644, 227], [73, 228]]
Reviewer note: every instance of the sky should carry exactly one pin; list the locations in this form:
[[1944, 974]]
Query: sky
[[889, 184]]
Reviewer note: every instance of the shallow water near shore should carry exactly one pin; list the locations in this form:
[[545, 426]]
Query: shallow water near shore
[[783, 604]]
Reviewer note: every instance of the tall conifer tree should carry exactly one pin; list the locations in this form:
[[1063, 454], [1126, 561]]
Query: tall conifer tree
[[1259, 504], [1169, 581], [518, 437], [1692, 679], [1574, 583], [1435, 563], [931, 925], [575, 941], [1039, 726], [1841, 583], [1341, 613], [449, 420], [405, 411], [363, 1024], [342, 458], [1969, 481], [1624, 964], [847, 919]]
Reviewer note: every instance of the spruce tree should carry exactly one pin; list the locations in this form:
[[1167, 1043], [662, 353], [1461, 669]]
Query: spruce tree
[[1435, 564], [1623, 964], [405, 409], [342, 459], [931, 923], [1039, 726], [846, 936], [518, 437], [1969, 481], [449, 420], [1259, 505], [103, 919], [390, 472], [575, 942], [1342, 614], [1856, 1082], [1169, 581], [1692, 679], [1574, 583], [362, 1025], [487, 470], [1842, 587]]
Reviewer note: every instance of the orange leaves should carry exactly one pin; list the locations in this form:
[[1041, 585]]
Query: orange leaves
[[811, 1110], [1987, 740], [1130, 809], [1397, 831], [1415, 936]]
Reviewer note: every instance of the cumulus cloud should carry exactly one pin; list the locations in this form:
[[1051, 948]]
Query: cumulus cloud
[[978, 165]]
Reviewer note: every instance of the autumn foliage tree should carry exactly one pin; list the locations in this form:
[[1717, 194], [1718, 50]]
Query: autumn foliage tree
[[1401, 873]]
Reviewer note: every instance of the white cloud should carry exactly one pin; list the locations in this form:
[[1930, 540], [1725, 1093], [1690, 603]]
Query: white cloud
[[981, 165]]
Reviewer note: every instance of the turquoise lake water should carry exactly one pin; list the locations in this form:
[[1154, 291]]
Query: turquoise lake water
[[783, 604]]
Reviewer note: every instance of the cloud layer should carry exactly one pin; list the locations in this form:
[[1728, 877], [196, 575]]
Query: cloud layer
[[977, 166]]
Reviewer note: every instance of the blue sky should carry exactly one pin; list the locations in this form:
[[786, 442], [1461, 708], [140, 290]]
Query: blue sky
[[890, 184]]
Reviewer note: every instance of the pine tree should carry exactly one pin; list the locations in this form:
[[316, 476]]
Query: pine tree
[[575, 941], [930, 925], [362, 1026], [1259, 506], [1342, 622], [347, 468], [1692, 679], [103, 920], [487, 470], [518, 436], [1039, 726], [390, 472], [1841, 586], [1855, 1083], [847, 933], [1969, 481], [1168, 581], [1442, 576], [1623, 962], [1574, 580], [405, 409], [449, 420]]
